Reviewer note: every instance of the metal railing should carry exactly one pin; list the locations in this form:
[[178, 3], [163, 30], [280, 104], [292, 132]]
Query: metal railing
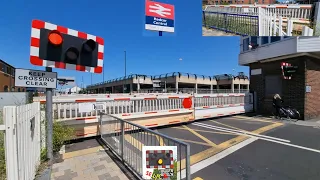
[[242, 24], [126, 140], [222, 101], [296, 12]]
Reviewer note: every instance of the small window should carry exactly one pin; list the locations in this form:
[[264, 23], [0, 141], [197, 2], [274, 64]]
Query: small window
[[264, 39], [246, 44], [4, 68], [19, 90], [254, 40], [275, 38], [5, 88]]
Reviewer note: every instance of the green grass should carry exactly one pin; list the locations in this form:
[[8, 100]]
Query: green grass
[[2, 155], [242, 25]]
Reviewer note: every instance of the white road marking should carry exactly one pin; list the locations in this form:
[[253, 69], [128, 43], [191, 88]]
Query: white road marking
[[239, 132], [267, 139], [211, 160]]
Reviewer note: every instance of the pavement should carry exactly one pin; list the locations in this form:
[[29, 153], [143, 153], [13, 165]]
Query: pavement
[[214, 32], [88, 160]]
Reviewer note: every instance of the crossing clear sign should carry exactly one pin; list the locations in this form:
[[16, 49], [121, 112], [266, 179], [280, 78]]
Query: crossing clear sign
[[35, 78], [159, 16]]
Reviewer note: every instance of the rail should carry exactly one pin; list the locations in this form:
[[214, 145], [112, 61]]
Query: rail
[[127, 144], [298, 12]]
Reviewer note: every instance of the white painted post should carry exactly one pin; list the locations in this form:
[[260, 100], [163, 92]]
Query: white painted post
[[260, 22], [289, 27], [306, 31], [11, 154], [280, 26], [274, 27]]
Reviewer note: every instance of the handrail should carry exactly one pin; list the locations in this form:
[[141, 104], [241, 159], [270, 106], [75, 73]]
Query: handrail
[[132, 156]]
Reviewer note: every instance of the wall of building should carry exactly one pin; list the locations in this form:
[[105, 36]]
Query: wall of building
[[312, 100], [292, 91], [7, 79]]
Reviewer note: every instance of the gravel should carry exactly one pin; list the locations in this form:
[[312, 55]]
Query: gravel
[[214, 32]]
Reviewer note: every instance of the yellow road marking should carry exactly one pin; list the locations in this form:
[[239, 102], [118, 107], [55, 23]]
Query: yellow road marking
[[194, 142], [197, 178], [214, 150], [227, 125], [133, 141], [199, 130], [81, 152], [200, 136], [253, 119]]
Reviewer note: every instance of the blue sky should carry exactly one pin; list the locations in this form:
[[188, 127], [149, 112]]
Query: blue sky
[[121, 24]]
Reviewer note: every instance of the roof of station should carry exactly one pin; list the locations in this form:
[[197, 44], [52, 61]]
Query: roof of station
[[240, 75]]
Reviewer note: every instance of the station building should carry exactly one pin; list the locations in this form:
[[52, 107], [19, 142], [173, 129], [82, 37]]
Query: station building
[[173, 82], [264, 56]]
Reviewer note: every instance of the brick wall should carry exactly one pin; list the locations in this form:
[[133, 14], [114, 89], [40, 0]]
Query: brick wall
[[292, 90], [312, 101], [7, 80]]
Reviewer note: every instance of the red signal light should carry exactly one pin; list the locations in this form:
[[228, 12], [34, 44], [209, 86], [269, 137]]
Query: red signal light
[[55, 38]]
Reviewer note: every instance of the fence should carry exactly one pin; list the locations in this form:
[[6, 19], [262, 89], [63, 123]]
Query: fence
[[298, 12], [21, 141], [252, 21], [125, 144]]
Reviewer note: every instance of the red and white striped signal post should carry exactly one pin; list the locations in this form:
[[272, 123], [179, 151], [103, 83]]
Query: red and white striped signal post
[[54, 46]]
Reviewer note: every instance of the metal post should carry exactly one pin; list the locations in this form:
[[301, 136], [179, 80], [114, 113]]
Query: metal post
[[188, 173], [125, 72], [49, 121], [122, 139], [160, 33], [165, 86]]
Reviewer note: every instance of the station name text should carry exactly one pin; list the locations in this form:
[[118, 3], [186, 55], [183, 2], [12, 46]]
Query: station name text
[[160, 21]]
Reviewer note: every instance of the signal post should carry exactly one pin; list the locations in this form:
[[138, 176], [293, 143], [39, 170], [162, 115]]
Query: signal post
[[54, 46]]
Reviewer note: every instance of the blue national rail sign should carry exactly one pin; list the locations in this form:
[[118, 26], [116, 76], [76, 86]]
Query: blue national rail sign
[[159, 16]]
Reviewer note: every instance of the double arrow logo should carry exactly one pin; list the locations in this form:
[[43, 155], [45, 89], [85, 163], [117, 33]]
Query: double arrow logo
[[162, 11]]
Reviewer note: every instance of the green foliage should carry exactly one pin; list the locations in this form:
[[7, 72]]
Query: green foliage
[[155, 173], [175, 170], [2, 155], [61, 133], [43, 155], [225, 3]]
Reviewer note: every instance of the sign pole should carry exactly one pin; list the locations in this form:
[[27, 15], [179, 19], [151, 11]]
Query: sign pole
[[160, 33], [49, 121]]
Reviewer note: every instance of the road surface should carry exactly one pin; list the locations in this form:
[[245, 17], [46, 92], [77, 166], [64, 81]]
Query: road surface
[[288, 152]]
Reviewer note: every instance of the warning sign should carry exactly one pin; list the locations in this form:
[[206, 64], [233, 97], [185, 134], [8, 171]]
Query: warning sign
[[35, 78]]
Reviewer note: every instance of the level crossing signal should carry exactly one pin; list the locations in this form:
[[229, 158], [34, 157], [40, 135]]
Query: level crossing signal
[[288, 70], [60, 47]]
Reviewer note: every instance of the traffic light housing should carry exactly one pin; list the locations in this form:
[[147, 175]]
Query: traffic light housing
[[289, 70], [65, 48]]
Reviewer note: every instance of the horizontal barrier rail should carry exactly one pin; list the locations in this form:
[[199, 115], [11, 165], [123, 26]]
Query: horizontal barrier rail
[[127, 144], [148, 111], [298, 12]]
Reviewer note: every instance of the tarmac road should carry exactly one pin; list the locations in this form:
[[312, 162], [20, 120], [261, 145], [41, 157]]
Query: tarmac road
[[269, 160]]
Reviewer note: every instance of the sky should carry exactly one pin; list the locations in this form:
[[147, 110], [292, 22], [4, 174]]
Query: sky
[[121, 24]]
